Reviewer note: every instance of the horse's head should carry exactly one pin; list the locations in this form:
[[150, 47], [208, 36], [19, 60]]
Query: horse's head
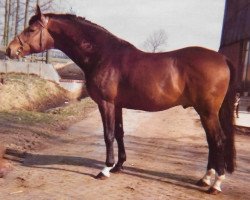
[[34, 39]]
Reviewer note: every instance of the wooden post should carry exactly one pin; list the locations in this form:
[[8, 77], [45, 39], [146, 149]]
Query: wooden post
[[28, 69], [47, 57]]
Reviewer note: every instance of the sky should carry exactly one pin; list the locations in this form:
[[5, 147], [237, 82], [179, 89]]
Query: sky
[[186, 22]]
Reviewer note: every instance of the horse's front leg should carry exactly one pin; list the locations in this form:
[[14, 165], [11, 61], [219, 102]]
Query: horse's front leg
[[119, 133], [107, 111]]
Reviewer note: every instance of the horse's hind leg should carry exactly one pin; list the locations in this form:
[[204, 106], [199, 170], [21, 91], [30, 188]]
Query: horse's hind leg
[[119, 133], [206, 180], [215, 138]]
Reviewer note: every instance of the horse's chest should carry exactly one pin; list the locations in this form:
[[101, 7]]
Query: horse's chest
[[102, 88]]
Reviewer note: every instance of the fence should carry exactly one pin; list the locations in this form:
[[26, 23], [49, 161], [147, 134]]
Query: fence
[[45, 71]]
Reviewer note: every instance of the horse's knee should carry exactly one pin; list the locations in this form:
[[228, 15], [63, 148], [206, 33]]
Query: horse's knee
[[109, 138]]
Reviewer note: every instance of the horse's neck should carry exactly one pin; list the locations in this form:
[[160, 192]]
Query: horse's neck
[[84, 45]]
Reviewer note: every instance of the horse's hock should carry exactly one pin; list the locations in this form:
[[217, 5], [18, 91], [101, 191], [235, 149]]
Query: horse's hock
[[75, 87]]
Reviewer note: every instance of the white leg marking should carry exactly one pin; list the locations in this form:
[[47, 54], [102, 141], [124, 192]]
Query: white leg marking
[[207, 177], [106, 170], [218, 181]]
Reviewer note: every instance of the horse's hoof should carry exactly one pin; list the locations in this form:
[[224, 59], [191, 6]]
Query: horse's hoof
[[5, 168], [117, 169], [101, 176], [213, 191], [202, 183]]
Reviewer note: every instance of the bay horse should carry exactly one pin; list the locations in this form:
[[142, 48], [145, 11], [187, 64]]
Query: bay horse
[[118, 75]]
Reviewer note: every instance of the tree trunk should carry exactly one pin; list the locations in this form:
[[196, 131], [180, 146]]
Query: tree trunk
[[47, 57], [5, 33], [26, 14], [17, 16], [8, 21]]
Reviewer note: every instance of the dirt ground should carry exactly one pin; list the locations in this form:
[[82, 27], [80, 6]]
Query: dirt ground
[[166, 155]]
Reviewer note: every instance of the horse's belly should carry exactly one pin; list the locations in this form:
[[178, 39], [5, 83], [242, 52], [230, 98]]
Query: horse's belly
[[148, 108], [149, 104]]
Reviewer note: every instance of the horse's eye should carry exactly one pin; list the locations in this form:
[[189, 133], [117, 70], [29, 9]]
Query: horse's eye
[[31, 30]]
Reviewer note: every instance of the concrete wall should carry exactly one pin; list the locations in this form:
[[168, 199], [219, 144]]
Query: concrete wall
[[75, 86], [45, 71]]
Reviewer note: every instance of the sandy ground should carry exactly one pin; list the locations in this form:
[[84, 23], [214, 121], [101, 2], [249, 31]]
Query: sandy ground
[[166, 155]]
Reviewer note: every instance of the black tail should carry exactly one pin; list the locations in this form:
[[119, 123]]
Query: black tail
[[226, 116]]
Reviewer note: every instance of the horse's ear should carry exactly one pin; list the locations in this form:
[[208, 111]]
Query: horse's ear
[[38, 11], [41, 17]]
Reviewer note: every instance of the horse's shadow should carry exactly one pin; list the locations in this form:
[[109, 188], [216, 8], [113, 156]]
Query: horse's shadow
[[51, 162]]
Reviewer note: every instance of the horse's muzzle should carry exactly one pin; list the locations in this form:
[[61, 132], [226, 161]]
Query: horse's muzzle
[[14, 52], [8, 52]]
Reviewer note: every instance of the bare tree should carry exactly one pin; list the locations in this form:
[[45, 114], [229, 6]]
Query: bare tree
[[156, 41], [6, 23], [17, 16], [26, 14]]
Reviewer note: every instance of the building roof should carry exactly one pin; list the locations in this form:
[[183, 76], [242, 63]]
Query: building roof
[[236, 24]]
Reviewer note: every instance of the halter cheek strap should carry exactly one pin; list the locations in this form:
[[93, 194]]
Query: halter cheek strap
[[41, 40], [41, 34]]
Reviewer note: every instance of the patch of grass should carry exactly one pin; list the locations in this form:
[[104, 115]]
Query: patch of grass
[[73, 109], [69, 113], [26, 117]]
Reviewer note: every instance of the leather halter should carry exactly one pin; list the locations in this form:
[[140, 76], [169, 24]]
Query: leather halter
[[41, 37], [20, 41]]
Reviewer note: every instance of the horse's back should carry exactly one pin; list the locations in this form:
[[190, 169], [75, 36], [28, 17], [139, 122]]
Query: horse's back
[[181, 77]]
